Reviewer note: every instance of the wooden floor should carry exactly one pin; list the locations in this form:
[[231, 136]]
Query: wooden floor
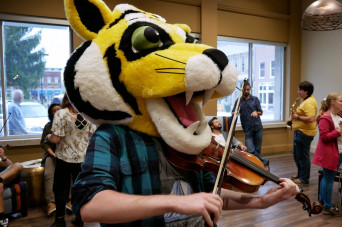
[[288, 213]]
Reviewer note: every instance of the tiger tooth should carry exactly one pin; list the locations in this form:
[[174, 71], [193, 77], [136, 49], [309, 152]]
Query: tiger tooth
[[188, 95], [207, 95], [202, 127], [193, 127]]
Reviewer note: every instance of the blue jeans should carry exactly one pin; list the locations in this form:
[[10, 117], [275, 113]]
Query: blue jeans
[[326, 186], [253, 141], [301, 155]]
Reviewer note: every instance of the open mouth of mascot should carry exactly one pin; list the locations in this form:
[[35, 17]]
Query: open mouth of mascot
[[135, 69]]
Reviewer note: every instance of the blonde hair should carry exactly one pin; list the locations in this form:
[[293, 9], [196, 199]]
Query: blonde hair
[[326, 103]]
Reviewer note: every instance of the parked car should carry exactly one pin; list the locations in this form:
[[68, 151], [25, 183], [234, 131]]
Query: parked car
[[35, 115]]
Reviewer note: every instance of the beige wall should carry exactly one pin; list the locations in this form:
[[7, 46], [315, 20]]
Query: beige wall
[[270, 20], [321, 61]]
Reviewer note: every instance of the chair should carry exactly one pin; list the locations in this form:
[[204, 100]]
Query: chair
[[16, 199]]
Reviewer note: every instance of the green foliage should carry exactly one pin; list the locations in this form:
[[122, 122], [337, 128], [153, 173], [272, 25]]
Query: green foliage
[[23, 58]]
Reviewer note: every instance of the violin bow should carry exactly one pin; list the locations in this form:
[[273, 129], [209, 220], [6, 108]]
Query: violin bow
[[224, 160]]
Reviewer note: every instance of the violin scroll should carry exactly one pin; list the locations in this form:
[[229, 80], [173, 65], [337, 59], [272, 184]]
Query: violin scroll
[[314, 208]]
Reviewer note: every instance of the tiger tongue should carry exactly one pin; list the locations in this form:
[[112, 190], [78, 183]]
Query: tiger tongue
[[185, 113]]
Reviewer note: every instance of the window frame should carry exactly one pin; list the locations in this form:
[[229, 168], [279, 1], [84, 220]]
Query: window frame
[[266, 124], [23, 140]]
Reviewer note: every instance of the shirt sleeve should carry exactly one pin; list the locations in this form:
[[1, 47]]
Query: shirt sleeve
[[92, 128], [100, 169], [43, 142], [326, 133], [310, 109], [235, 142], [58, 125], [258, 106]]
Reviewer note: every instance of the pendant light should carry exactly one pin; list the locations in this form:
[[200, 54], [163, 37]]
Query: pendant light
[[323, 15]]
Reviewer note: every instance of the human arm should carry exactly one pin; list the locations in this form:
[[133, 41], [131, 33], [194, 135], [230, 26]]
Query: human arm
[[53, 138], [233, 200], [234, 107], [57, 129], [5, 162], [327, 131], [44, 143], [110, 206], [305, 119], [258, 111], [238, 143], [307, 112]]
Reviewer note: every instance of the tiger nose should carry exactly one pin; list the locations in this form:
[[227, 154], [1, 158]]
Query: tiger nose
[[218, 57]]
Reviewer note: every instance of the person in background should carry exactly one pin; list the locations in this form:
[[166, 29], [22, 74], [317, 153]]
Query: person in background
[[221, 136], [329, 148], [71, 133], [250, 112], [304, 126], [16, 122], [8, 172], [49, 160]]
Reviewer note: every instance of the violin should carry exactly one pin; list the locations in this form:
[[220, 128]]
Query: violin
[[243, 170]]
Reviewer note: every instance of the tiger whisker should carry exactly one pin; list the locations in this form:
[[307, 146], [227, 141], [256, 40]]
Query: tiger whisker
[[170, 68], [169, 72], [170, 58]]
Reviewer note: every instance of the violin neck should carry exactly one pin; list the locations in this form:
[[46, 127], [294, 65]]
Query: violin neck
[[254, 167]]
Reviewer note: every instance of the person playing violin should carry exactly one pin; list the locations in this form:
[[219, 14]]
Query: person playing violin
[[107, 192], [221, 136]]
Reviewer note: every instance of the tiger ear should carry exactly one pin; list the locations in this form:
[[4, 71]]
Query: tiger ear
[[185, 27], [87, 17]]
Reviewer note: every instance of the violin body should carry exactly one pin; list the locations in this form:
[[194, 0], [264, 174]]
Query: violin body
[[237, 175]]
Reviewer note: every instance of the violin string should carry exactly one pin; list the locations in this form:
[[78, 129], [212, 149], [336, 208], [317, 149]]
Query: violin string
[[255, 167]]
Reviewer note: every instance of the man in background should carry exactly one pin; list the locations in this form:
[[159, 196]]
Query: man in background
[[16, 120], [221, 137], [250, 112]]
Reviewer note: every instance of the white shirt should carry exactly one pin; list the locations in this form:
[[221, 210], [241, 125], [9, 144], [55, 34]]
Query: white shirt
[[220, 139], [336, 120], [73, 143]]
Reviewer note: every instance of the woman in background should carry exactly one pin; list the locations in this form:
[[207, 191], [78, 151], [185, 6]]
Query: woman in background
[[49, 160], [71, 133], [329, 148]]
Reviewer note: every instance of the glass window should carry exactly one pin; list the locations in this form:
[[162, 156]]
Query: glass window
[[49, 79], [29, 50], [261, 69], [233, 50], [256, 55], [272, 69], [56, 81]]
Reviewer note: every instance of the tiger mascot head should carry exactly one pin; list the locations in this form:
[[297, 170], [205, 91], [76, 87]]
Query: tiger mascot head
[[136, 69]]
